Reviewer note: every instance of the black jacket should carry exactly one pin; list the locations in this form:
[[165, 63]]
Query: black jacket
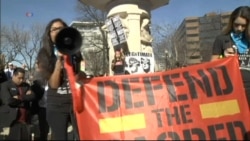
[[3, 76], [9, 106], [38, 88]]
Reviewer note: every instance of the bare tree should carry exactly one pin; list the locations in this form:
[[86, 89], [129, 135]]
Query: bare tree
[[19, 44], [94, 62], [163, 46], [12, 38], [90, 14]]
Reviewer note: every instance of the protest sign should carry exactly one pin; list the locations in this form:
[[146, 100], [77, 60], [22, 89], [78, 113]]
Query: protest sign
[[200, 102]]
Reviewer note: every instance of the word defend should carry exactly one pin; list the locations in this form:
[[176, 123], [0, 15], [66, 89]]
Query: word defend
[[198, 102]]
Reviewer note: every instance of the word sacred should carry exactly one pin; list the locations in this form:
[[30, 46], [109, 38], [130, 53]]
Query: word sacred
[[233, 130], [203, 79]]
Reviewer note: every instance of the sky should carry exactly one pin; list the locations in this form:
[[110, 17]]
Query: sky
[[14, 11], [177, 10]]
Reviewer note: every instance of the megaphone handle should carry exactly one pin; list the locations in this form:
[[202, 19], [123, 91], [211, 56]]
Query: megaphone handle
[[76, 89]]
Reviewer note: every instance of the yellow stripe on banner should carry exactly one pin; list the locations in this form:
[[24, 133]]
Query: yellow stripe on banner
[[219, 109], [124, 123]]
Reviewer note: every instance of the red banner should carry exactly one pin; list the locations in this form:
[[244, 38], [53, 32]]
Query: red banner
[[200, 102]]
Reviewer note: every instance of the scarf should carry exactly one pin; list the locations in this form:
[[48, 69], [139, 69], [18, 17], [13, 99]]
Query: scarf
[[240, 42]]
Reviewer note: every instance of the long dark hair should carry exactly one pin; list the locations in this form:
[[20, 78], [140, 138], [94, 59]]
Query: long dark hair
[[46, 40], [46, 58], [244, 12]]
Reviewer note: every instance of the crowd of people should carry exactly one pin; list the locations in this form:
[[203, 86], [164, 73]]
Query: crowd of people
[[6, 72], [49, 95]]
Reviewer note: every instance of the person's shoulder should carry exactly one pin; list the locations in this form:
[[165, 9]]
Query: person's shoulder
[[2, 73], [43, 56], [42, 52], [7, 83], [42, 49], [223, 37]]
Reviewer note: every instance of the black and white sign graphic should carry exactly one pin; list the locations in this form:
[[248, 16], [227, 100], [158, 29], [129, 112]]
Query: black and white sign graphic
[[139, 62], [116, 31]]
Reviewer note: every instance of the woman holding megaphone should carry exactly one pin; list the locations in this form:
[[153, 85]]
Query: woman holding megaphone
[[50, 61]]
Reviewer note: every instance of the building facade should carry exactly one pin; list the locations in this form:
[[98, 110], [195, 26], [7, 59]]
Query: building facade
[[193, 40]]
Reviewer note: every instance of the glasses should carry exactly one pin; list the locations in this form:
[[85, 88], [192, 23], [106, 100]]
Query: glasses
[[53, 29], [239, 24]]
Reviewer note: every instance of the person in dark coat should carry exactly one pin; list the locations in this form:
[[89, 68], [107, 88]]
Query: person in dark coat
[[38, 107], [16, 96], [3, 76], [9, 71]]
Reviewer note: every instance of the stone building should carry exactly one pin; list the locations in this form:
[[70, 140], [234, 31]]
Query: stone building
[[194, 38]]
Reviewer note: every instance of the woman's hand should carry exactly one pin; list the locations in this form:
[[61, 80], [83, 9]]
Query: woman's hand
[[55, 78], [59, 55], [229, 52], [59, 62]]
